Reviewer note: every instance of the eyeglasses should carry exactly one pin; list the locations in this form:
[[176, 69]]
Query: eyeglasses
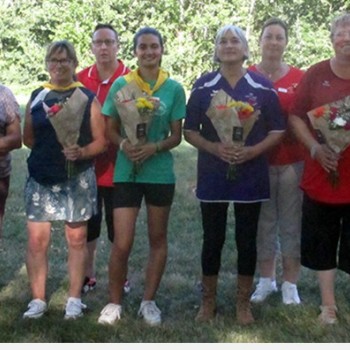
[[64, 62], [342, 34], [107, 42]]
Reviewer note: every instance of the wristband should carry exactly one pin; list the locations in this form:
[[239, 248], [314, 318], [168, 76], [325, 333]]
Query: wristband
[[157, 147], [121, 145]]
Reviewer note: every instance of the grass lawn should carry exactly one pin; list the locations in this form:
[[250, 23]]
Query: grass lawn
[[178, 295]]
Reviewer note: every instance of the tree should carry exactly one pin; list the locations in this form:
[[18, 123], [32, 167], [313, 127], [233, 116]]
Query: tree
[[188, 27]]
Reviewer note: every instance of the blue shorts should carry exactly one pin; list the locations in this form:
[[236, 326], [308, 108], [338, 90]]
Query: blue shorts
[[130, 194]]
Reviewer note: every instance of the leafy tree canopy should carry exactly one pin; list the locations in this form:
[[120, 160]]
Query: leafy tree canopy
[[188, 26]]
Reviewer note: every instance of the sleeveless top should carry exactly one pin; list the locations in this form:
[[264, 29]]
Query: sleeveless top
[[47, 163]]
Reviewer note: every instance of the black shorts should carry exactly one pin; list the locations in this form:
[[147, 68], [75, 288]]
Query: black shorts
[[325, 235], [104, 200], [130, 195], [4, 191]]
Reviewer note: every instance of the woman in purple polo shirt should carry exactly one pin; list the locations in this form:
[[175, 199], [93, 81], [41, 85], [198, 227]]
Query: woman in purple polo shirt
[[246, 93]]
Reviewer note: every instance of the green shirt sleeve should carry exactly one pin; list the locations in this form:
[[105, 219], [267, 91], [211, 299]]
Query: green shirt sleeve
[[109, 109], [179, 103]]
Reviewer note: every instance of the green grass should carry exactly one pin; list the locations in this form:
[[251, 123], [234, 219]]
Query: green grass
[[178, 295]]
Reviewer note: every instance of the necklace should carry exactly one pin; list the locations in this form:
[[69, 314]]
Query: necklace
[[271, 74]]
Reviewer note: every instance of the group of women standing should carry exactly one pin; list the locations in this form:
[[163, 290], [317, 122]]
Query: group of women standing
[[267, 163]]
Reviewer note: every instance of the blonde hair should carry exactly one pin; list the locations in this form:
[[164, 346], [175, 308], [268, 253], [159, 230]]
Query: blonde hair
[[234, 30]]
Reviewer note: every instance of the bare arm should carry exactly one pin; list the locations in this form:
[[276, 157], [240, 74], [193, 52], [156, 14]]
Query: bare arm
[[323, 154], [230, 153], [141, 153], [221, 150], [112, 131], [173, 140], [245, 153], [13, 138]]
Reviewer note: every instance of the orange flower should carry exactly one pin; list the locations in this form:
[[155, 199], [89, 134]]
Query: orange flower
[[245, 113], [319, 112]]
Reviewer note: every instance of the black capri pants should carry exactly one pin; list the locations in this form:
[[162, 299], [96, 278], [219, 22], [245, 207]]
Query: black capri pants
[[325, 235], [214, 220]]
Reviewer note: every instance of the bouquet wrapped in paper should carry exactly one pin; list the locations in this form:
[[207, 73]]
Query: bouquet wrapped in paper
[[136, 110], [66, 118], [332, 125], [233, 120]]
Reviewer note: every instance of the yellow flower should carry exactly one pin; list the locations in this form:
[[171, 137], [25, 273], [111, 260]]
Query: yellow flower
[[247, 108], [143, 102], [232, 104], [241, 106]]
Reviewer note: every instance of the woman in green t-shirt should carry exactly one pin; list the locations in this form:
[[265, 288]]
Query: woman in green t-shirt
[[144, 167]]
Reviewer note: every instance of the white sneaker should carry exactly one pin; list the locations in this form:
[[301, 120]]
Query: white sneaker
[[110, 313], [74, 308], [150, 312], [290, 293], [36, 308], [264, 288]]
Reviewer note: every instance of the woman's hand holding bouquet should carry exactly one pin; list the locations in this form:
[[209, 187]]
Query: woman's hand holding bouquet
[[136, 111], [233, 121]]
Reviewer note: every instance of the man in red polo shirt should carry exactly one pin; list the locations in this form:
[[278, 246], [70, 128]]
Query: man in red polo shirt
[[99, 78]]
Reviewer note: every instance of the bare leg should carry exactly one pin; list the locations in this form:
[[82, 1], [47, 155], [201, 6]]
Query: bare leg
[[291, 269], [39, 234], [326, 283], [124, 229], [267, 268], [157, 233], [77, 252]]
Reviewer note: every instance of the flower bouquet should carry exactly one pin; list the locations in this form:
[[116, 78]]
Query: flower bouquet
[[66, 118], [332, 125], [233, 120], [136, 110]]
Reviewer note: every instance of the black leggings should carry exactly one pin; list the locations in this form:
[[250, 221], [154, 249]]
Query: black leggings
[[214, 220]]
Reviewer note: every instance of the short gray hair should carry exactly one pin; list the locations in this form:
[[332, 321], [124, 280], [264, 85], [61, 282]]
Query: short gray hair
[[235, 30], [339, 21]]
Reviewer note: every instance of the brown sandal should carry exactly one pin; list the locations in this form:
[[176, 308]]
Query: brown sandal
[[328, 314]]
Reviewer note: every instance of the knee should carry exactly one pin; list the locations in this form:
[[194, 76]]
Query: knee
[[160, 243], [119, 253], [77, 244], [36, 245]]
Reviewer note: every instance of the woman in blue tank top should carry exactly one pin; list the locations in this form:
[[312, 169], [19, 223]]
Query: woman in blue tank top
[[65, 131]]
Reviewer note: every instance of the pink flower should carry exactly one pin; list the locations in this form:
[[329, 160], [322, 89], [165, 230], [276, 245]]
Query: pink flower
[[53, 110]]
